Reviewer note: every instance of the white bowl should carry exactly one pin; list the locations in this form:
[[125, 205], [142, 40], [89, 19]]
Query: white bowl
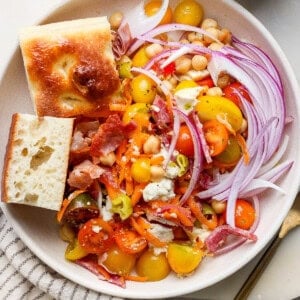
[[37, 227]]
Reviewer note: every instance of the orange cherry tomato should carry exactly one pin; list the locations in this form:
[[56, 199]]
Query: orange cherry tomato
[[244, 214], [216, 135], [95, 236], [230, 92], [130, 241], [152, 7], [206, 81], [185, 142]]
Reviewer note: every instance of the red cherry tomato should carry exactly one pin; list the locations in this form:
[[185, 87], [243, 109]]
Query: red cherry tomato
[[244, 214], [95, 236], [206, 81], [216, 135], [231, 90], [185, 142]]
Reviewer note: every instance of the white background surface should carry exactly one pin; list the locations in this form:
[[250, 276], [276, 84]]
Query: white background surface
[[281, 280]]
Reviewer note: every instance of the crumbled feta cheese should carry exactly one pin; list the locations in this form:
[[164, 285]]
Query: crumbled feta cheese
[[163, 233], [172, 170], [200, 233], [186, 99], [158, 251], [96, 228], [106, 210], [163, 189]]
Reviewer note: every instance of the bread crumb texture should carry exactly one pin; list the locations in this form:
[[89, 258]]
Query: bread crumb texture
[[36, 160]]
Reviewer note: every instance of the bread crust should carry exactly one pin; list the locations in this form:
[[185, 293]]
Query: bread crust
[[70, 67]]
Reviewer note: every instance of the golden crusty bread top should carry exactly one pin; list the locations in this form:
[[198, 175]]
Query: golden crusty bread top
[[70, 66]]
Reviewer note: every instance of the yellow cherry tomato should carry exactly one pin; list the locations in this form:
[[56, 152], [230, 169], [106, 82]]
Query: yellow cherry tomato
[[118, 261], [152, 7], [140, 170], [185, 84], [220, 108], [183, 259], [188, 12], [143, 89], [75, 251], [140, 58], [154, 267], [138, 112]]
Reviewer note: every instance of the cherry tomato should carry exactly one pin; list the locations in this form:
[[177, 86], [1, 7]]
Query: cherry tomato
[[95, 236], [185, 84], [216, 135], [117, 261], [140, 170], [188, 12], [143, 89], [230, 93], [152, 7], [230, 156], [154, 267], [140, 58], [184, 142], [130, 241], [183, 259], [244, 214], [138, 112], [211, 107]]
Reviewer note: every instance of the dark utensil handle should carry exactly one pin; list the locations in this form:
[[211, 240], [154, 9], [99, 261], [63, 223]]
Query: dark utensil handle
[[258, 270]]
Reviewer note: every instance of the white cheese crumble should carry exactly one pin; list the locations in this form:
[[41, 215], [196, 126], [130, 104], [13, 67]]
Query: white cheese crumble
[[172, 170], [96, 228], [200, 233], [158, 251], [163, 189], [163, 233], [186, 99]]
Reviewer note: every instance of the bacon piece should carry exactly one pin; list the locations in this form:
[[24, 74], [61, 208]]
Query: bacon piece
[[122, 40], [83, 175], [110, 135], [92, 265], [218, 236], [161, 114]]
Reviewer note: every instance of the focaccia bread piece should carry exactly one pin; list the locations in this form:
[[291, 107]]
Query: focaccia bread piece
[[36, 160], [70, 66]]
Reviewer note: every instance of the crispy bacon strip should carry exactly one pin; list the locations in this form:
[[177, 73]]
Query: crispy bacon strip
[[110, 135]]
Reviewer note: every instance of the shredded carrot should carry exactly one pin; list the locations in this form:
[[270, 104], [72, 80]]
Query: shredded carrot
[[243, 145], [156, 160], [142, 227], [137, 193], [136, 278], [196, 210], [117, 107]]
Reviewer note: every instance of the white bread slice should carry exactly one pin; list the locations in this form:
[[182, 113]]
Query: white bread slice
[[36, 160]]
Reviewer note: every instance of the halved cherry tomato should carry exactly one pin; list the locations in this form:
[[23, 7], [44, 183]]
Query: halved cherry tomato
[[216, 135], [152, 7], [185, 142], [169, 69], [130, 241], [231, 92], [95, 236], [244, 214]]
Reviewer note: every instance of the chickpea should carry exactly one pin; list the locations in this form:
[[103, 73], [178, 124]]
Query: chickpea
[[183, 64], [218, 206], [214, 32], [168, 84], [198, 43], [108, 160], [115, 20], [223, 80], [157, 173], [153, 50], [214, 91], [215, 46], [244, 126], [152, 145], [208, 23], [173, 80], [225, 36], [197, 75], [199, 62], [194, 36]]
